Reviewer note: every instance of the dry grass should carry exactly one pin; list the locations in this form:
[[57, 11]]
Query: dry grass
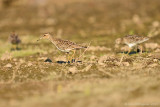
[[106, 76]]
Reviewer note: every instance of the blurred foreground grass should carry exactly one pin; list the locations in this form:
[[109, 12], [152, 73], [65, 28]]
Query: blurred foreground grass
[[105, 77]]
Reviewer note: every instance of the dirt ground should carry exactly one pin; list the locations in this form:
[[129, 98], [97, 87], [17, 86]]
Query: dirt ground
[[106, 77]]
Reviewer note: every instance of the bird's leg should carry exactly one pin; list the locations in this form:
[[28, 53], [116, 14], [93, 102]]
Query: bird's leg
[[13, 47], [129, 50], [121, 60], [80, 51], [67, 56], [16, 46], [136, 49], [72, 57], [141, 51]]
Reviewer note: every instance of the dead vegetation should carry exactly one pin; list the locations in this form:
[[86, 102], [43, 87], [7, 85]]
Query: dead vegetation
[[107, 76]]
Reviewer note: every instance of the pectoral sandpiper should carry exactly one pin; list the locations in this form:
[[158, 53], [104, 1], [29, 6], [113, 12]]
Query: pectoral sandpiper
[[131, 41], [63, 45], [14, 40]]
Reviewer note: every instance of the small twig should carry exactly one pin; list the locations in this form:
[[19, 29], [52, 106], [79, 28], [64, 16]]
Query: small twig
[[84, 51], [121, 59], [14, 73]]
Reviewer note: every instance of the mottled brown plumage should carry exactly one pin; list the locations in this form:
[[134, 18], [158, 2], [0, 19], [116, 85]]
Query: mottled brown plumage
[[131, 41], [14, 39], [63, 45]]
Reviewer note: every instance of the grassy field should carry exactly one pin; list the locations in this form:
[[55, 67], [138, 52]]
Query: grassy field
[[105, 78]]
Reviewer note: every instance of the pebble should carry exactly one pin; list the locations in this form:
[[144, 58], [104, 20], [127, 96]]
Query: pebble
[[8, 65]]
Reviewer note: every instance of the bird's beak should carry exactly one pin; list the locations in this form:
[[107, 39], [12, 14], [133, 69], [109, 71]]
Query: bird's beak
[[40, 38]]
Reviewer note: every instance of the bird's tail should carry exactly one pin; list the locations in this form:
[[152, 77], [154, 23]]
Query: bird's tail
[[147, 38], [81, 46], [84, 46]]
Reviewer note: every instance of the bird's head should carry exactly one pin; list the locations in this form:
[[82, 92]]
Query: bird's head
[[118, 41], [45, 36]]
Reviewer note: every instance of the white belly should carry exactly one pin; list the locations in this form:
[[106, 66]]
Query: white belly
[[63, 50], [131, 44]]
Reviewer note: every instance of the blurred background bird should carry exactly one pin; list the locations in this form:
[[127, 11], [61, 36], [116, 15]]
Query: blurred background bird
[[131, 41], [15, 41]]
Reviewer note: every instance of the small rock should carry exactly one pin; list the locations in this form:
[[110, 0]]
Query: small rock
[[8, 65], [153, 65], [155, 60], [14, 59], [125, 63], [22, 61], [30, 64], [73, 70]]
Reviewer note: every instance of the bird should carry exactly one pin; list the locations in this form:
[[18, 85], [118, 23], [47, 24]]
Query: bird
[[132, 40], [63, 45], [14, 40]]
